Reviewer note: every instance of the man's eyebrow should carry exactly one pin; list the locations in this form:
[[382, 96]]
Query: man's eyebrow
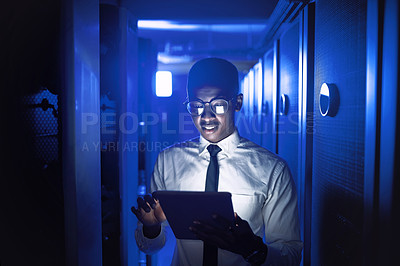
[[218, 97]]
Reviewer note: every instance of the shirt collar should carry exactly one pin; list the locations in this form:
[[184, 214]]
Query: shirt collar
[[227, 145]]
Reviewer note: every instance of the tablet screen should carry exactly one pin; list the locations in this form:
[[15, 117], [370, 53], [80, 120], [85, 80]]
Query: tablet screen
[[183, 207]]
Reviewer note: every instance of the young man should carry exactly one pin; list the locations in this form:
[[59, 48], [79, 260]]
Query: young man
[[263, 193]]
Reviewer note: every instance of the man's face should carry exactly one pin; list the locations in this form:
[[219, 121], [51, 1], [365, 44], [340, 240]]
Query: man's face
[[211, 126]]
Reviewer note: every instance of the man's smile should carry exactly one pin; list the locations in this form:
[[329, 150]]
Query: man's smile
[[209, 128]]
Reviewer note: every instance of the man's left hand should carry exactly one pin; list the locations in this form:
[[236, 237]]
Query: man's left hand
[[237, 237]]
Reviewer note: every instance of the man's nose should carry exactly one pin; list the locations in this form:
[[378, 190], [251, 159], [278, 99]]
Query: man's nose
[[207, 113]]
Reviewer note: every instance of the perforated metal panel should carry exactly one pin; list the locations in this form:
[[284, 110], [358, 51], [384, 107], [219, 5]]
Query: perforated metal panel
[[338, 147], [41, 116]]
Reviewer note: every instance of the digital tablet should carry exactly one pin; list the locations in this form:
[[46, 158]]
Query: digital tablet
[[183, 207]]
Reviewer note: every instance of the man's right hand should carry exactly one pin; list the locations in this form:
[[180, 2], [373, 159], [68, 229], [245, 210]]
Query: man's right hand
[[150, 214]]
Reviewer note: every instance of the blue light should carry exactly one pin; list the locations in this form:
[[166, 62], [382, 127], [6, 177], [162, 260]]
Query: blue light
[[163, 84], [165, 25], [183, 26]]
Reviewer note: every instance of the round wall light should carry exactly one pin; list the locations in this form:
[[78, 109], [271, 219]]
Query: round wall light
[[328, 100]]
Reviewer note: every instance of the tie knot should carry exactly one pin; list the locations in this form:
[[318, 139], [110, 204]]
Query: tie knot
[[213, 150]]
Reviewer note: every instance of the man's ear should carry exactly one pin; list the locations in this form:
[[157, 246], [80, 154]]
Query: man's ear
[[239, 102]]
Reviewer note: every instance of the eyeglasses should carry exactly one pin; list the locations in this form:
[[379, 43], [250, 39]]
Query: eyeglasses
[[218, 106]]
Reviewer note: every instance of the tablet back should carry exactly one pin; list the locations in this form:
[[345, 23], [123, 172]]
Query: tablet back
[[183, 207]]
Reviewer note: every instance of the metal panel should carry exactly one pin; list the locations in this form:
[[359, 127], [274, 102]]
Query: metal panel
[[128, 158], [109, 130], [258, 103], [81, 112], [389, 133], [288, 128], [306, 116], [372, 127], [241, 118], [251, 100], [32, 205], [267, 124], [275, 93], [338, 142]]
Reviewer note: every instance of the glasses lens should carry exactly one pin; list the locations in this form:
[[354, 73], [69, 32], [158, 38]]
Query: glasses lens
[[195, 107], [219, 106]]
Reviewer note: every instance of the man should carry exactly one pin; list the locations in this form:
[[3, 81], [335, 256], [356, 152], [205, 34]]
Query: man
[[263, 193]]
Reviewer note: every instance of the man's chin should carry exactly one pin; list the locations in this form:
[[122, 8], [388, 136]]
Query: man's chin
[[210, 136]]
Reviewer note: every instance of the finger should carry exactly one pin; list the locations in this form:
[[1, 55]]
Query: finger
[[157, 202], [149, 199], [154, 197], [211, 230], [242, 223], [134, 210], [207, 226], [137, 213], [241, 228], [143, 204], [225, 223], [237, 217], [204, 227], [238, 220]]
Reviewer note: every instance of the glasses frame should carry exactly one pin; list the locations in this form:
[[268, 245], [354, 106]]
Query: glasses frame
[[187, 102]]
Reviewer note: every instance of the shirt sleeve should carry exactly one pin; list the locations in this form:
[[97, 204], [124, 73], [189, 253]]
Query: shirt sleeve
[[281, 220], [147, 245]]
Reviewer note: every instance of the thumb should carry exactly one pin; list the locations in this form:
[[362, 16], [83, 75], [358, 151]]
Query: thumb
[[237, 218]]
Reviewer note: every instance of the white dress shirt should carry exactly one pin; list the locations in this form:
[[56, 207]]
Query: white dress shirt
[[263, 194]]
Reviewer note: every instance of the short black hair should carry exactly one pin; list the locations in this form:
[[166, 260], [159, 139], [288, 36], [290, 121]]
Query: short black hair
[[213, 72]]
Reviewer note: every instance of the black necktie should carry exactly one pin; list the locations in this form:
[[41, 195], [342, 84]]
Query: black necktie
[[210, 252]]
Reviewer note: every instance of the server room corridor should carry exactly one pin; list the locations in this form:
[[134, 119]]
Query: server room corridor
[[94, 90]]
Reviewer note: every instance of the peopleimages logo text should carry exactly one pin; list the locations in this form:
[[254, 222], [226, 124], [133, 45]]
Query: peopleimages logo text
[[131, 123]]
